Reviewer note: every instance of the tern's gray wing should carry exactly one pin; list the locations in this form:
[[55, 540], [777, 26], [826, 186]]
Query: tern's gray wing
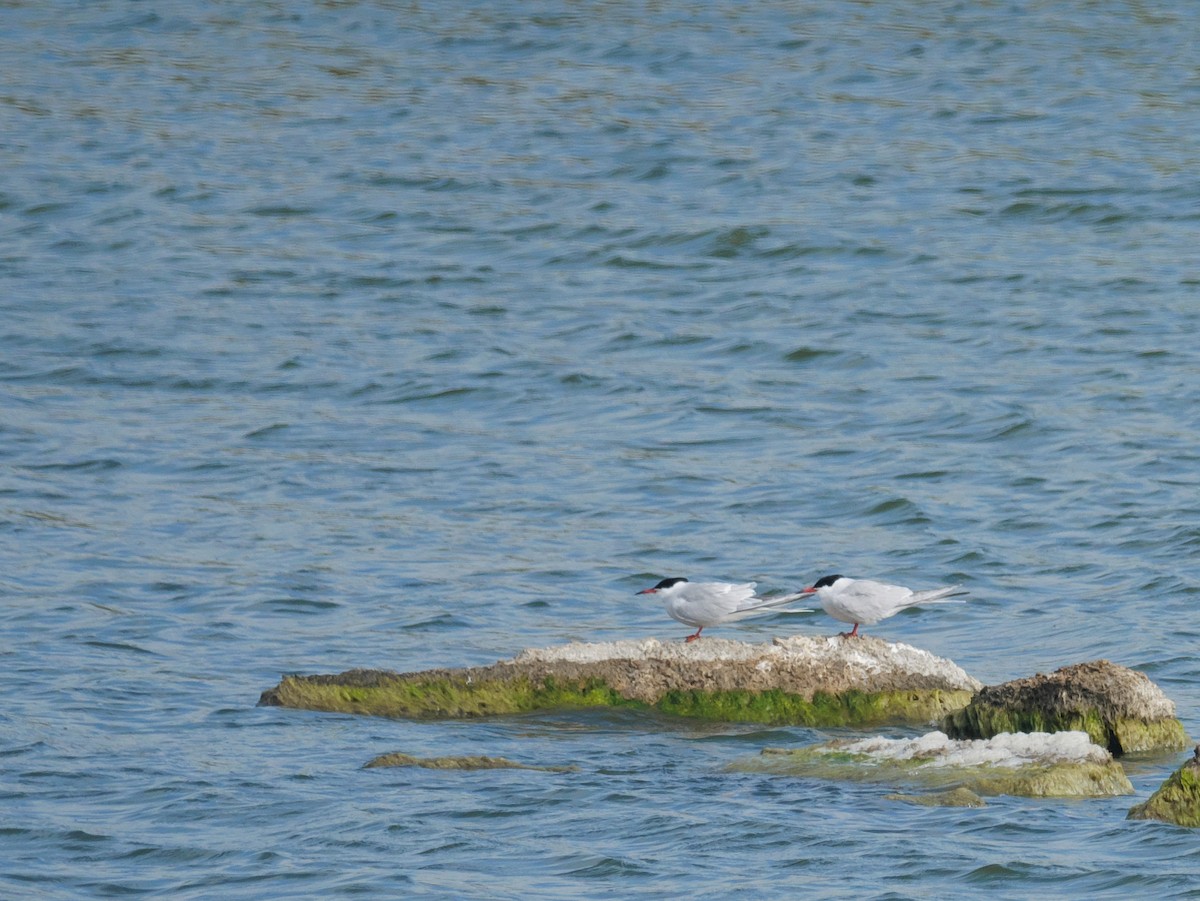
[[866, 601], [708, 603]]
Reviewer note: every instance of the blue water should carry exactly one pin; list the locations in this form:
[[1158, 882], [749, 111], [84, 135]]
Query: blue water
[[376, 334]]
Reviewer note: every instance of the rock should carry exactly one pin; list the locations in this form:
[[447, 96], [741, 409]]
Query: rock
[[1039, 765], [461, 763], [1177, 800], [1120, 709], [799, 680], [956, 797]]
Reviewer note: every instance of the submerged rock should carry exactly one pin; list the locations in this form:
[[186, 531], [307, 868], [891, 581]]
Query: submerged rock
[[1064, 764], [1177, 800], [1120, 708], [956, 797], [461, 763], [798, 680]]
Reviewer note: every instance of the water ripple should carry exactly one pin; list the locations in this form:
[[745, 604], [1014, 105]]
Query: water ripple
[[338, 338]]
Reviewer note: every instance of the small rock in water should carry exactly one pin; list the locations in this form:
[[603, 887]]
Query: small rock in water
[[1177, 800], [1120, 708], [471, 762], [1064, 764], [956, 797]]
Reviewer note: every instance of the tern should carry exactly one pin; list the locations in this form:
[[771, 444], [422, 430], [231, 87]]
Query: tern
[[862, 601], [703, 604]]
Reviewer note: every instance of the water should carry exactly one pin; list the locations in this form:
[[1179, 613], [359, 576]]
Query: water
[[407, 335]]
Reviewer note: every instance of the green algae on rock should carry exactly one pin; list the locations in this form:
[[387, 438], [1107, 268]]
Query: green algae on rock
[[1177, 800], [798, 680], [470, 762], [955, 797], [1120, 708], [1040, 765]]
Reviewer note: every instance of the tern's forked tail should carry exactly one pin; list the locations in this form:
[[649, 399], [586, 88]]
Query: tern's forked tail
[[948, 595]]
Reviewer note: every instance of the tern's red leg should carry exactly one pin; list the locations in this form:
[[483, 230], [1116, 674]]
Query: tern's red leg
[[697, 635], [853, 633]]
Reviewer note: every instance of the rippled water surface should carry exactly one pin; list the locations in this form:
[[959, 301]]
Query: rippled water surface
[[403, 335]]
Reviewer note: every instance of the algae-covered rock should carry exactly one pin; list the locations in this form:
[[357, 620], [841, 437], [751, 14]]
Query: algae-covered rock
[[955, 797], [799, 680], [1177, 800], [461, 763], [1038, 765], [1120, 709]]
